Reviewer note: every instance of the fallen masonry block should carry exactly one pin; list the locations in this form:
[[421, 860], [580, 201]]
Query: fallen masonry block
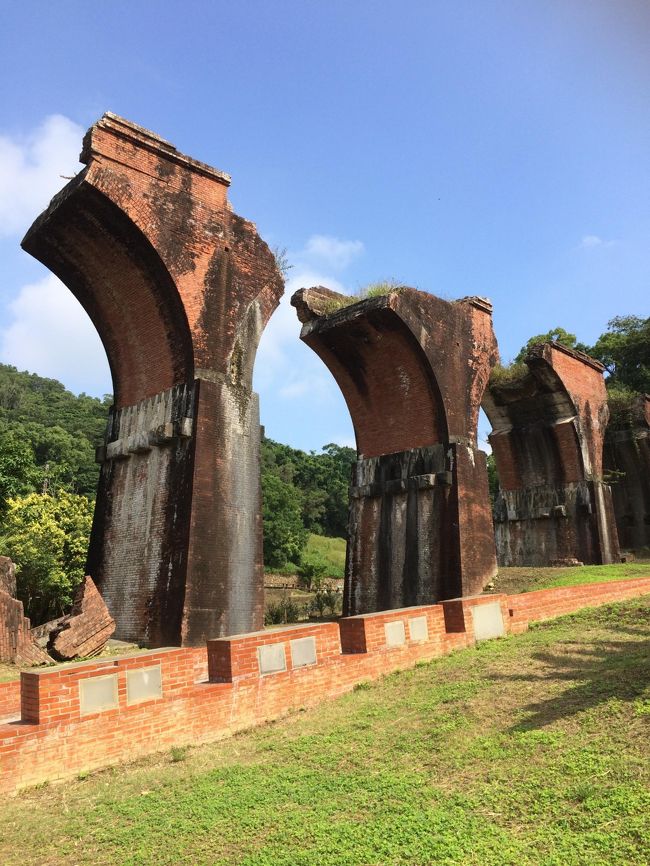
[[16, 644], [84, 631], [7, 576]]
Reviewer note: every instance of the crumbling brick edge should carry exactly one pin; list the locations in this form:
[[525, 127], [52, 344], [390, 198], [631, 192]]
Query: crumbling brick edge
[[79, 717]]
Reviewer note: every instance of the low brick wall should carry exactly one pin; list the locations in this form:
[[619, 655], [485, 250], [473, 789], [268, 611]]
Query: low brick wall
[[79, 717], [9, 700], [547, 603]]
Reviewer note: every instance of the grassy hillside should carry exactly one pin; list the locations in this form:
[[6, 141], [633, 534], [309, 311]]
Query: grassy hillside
[[332, 551], [529, 751]]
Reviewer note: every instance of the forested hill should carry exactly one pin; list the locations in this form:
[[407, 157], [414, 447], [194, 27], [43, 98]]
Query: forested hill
[[303, 492], [47, 443], [47, 435]]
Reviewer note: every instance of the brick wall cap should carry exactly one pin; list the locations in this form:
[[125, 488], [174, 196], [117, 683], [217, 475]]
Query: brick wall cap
[[480, 596], [398, 611], [110, 662], [540, 350], [145, 138], [272, 631]]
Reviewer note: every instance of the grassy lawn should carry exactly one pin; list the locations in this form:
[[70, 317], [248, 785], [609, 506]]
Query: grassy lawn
[[513, 580], [530, 750]]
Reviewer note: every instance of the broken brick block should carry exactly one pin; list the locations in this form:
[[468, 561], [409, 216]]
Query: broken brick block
[[84, 631], [16, 643]]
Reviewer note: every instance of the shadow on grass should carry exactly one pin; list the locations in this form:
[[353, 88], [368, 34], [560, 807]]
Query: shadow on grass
[[594, 673]]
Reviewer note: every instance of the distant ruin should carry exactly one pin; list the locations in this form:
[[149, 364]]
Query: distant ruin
[[548, 426], [627, 462], [413, 369]]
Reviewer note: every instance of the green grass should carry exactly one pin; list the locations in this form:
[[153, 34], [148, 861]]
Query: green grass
[[513, 580], [332, 551], [530, 750]]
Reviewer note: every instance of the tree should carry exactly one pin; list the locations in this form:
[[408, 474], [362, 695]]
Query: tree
[[47, 538], [555, 335], [493, 478], [624, 349], [19, 474], [284, 533], [63, 429], [320, 482]]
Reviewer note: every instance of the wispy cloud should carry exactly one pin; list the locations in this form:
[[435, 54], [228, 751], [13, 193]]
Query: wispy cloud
[[51, 334], [298, 395], [330, 252], [590, 242], [281, 356], [31, 167]]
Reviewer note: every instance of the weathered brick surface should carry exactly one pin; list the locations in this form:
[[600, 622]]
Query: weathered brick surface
[[179, 288], [16, 644], [9, 700], [627, 459], [547, 438], [413, 369], [55, 739], [548, 603], [84, 631]]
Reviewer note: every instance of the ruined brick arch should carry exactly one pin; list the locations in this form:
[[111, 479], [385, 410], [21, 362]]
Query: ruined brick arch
[[412, 368], [388, 384], [120, 280], [180, 289], [548, 427], [529, 450]]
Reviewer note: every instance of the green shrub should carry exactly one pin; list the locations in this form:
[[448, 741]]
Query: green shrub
[[326, 601], [285, 611], [313, 567], [508, 375]]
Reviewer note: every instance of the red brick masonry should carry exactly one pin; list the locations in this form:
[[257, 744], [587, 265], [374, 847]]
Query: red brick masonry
[[198, 695]]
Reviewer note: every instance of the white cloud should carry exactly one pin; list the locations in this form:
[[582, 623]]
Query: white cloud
[[52, 335], [331, 252], [590, 242], [31, 167], [281, 356]]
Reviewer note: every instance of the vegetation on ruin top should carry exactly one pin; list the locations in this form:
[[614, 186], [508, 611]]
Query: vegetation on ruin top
[[530, 750], [372, 290], [624, 409], [511, 374]]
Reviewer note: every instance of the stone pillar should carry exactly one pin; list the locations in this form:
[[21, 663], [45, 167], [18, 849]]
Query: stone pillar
[[627, 465], [412, 368], [548, 424], [180, 289]]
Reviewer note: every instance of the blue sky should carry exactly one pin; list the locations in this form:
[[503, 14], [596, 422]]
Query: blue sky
[[491, 147]]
